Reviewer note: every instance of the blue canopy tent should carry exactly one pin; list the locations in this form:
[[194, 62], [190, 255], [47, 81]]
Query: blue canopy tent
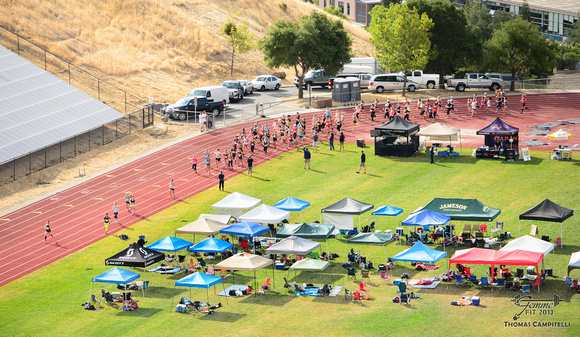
[[197, 280], [249, 229], [420, 253], [294, 205], [116, 276], [426, 218], [388, 211], [211, 245], [169, 244]]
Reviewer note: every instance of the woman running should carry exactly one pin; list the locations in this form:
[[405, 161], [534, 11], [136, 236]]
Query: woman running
[[106, 221], [47, 230], [172, 189], [133, 204], [194, 163], [127, 201], [116, 212]]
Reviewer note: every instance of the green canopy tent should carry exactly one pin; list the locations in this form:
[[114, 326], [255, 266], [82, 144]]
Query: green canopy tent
[[310, 265], [306, 231], [372, 239]]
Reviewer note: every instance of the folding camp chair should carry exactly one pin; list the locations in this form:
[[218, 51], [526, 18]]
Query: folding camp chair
[[95, 301], [365, 274], [500, 284], [403, 294], [467, 229], [384, 277], [498, 228], [266, 286], [484, 282], [526, 289], [201, 261], [351, 273], [459, 281], [362, 289], [536, 283]]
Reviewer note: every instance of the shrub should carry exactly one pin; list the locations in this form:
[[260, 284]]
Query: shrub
[[283, 6], [335, 11]]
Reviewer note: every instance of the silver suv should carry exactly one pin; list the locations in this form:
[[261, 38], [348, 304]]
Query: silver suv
[[235, 90], [384, 82]]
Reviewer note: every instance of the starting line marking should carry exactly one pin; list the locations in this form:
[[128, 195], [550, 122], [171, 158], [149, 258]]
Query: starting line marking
[[38, 212]]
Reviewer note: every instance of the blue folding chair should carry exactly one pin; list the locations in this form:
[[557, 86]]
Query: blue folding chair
[[526, 289], [484, 282], [459, 281]]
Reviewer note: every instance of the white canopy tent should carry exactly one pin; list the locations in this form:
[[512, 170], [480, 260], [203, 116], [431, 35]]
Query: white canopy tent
[[235, 204], [532, 244], [441, 132], [225, 218], [265, 214], [574, 262]]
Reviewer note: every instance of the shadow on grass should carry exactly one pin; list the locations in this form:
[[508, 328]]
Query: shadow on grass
[[223, 316], [270, 298], [161, 292], [317, 171], [140, 312], [258, 178], [374, 175]]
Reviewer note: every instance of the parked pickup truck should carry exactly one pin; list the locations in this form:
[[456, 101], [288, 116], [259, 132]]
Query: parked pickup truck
[[474, 80], [314, 78], [431, 81], [186, 106]]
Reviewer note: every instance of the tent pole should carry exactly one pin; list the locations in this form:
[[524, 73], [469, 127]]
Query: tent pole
[[90, 290], [519, 222], [173, 295], [226, 295], [326, 245], [207, 294], [312, 213], [301, 216], [255, 285], [385, 253], [561, 235], [273, 278]]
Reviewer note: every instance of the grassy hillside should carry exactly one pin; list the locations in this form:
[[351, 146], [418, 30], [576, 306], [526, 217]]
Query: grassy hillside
[[156, 48]]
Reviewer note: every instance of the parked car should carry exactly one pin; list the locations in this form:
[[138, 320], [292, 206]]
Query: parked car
[[365, 78], [235, 90], [384, 82], [474, 80], [506, 78], [214, 93], [264, 82], [186, 106], [314, 78], [248, 86]]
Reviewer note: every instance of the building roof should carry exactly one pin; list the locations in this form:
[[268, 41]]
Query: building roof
[[38, 109], [569, 7]]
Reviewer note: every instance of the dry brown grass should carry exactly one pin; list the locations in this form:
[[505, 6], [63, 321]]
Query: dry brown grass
[[154, 48]]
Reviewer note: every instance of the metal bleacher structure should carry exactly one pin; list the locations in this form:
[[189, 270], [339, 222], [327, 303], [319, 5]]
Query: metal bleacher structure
[[44, 120]]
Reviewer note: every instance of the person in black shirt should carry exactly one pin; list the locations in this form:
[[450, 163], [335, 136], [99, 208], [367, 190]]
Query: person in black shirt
[[307, 156], [331, 140], [363, 159], [250, 165], [221, 177], [141, 242], [341, 141]]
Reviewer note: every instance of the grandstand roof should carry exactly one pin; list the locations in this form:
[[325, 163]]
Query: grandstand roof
[[38, 109]]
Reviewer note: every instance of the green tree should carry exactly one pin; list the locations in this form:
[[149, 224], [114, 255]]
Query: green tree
[[574, 34], [525, 13], [314, 42], [566, 55], [518, 47], [453, 43], [238, 36], [401, 38], [386, 3]]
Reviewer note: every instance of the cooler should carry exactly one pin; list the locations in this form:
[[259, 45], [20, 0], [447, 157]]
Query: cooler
[[399, 231], [475, 300]]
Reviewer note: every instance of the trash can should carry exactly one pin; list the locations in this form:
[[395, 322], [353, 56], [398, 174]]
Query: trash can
[[475, 300], [360, 142]]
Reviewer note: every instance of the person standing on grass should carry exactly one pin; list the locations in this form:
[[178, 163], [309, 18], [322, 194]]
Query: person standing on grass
[[116, 212], [363, 159], [432, 153], [133, 204], [106, 220], [194, 163], [202, 121], [221, 178], [250, 165], [172, 189], [47, 230], [128, 201], [341, 141], [331, 140], [315, 141], [307, 156]]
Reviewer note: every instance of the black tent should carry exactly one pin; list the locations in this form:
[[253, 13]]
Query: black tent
[[498, 133], [135, 256], [547, 210], [396, 138]]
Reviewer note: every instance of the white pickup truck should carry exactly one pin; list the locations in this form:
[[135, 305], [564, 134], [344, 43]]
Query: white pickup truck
[[430, 81], [474, 80]]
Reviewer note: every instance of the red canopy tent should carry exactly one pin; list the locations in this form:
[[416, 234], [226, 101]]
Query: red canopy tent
[[497, 257]]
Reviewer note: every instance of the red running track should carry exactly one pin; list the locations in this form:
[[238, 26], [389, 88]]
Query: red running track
[[76, 213]]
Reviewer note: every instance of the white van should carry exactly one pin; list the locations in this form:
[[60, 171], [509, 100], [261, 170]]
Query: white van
[[215, 93]]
